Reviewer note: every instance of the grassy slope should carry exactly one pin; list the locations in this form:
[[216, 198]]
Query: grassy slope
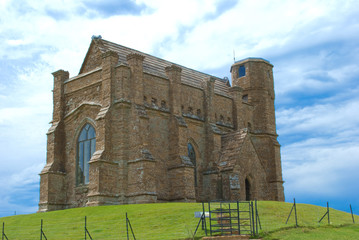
[[173, 221]]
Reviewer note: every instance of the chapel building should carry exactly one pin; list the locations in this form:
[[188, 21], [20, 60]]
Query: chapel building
[[134, 128]]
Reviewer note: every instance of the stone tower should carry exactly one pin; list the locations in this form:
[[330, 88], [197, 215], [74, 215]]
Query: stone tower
[[255, 77]]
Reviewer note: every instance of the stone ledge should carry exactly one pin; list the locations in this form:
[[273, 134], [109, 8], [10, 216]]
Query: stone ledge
[[141, 194], [98, 194], [141, 160], [102, 161], [51, 172], [83, 74]]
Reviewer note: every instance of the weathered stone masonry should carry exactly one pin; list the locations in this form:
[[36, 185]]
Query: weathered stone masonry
[[163, 132]]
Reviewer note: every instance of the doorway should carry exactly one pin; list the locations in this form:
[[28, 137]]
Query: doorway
[[248, 190]]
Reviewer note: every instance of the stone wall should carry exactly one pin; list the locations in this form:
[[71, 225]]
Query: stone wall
[[144, 121]]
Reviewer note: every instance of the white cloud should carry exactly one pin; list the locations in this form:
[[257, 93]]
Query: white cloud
[[320, 170], [329, 118], [260, 28]]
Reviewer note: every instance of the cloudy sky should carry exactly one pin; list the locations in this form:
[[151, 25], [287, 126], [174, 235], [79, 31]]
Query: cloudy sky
[[313, 45]]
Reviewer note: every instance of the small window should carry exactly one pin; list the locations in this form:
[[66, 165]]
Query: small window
[[154, 101], [241, 71], [163, 104], [245, 98], [199, 112], [190, 110]]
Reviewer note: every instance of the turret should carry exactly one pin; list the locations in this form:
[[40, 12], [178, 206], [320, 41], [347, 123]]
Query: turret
[[255, 77]]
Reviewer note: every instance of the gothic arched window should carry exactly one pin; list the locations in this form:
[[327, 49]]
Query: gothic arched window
[[192, 157], [86, 145]]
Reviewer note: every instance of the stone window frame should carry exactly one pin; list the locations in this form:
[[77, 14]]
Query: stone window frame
[[245, 98], [163, 104], [196, 160], [91, 123], [241, 71], [154, 101], [190, 110]]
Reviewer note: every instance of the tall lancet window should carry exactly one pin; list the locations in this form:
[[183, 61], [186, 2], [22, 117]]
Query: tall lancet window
[[86, 145], [192, 157]]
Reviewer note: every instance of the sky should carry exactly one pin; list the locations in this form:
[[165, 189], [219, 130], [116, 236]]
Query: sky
[[313, 45]]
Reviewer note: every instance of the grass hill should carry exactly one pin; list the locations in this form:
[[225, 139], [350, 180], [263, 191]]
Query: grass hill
[[174, 221]]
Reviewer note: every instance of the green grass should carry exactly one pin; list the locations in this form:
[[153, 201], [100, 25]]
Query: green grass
[[175, 221], [329, 232]]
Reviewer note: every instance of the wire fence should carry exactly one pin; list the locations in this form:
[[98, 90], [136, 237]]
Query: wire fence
[[123, 226], [91, 228]]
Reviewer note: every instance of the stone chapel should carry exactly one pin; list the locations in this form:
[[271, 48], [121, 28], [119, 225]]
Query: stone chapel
[[134, 128]]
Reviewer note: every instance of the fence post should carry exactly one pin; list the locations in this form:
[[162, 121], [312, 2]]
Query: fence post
[[127, 227], [258, 219], [328, 213], [85, 228], [295, 212], [3, 235], [199, 222], [42, 232], [129, 223], [253, 227], [86, 231], [256, 210], [204, 219], [290, 213], [238, 219], [351, 211]]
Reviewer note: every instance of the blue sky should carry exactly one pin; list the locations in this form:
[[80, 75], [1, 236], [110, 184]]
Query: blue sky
[[313, 45]]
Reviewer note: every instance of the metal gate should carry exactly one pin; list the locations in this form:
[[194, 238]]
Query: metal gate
[[233, 218]]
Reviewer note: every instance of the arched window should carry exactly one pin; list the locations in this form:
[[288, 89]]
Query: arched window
[[192, 157], [86, 145]]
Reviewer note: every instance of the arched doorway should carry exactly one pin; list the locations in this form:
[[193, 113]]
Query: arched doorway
[[248, 190]]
